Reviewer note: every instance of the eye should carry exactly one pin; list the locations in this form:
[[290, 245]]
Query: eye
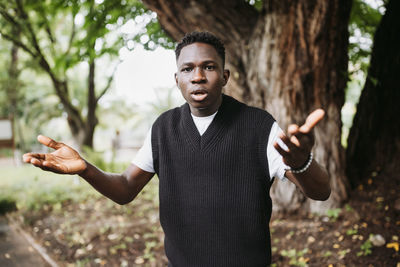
[[187, 69], [209, 67]]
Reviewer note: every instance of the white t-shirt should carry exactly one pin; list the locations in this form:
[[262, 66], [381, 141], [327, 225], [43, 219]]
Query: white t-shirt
[[144, 157]]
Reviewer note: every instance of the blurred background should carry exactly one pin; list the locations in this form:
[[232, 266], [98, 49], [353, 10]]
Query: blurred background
[[96, 74]]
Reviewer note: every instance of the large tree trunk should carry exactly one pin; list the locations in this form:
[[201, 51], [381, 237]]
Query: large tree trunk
[[374, 139], [289, 58], [298, 62]]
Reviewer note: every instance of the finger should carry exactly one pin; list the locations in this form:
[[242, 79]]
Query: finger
[[33, 155], [295, 141], [280, 150], [26, 157], [285, 139], [293, 129], [312, 120], [47, 141], [36, 162], [44, 168]]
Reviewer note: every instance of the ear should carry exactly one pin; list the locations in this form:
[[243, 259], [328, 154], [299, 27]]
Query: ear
[[176, 79], [226, 75]]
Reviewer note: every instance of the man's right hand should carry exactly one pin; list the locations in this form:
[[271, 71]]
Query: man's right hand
[[64, 160]]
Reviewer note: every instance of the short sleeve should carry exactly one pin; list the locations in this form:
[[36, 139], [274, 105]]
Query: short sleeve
[[144, 157], [277, 167]]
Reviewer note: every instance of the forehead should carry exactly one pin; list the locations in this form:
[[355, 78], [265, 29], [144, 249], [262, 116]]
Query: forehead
[[197, 53]]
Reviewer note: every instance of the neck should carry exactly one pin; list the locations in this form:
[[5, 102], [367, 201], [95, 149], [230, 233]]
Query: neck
[[206, 111]]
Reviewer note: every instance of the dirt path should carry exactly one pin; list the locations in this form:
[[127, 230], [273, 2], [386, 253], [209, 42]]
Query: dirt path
[[15, 250]]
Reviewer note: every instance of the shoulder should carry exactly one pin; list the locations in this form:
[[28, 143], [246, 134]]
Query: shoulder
[[169, 115]]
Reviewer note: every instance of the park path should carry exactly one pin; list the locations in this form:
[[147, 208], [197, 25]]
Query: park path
[[19, 249]]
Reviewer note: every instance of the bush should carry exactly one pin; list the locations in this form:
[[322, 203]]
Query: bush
[[7, 204]]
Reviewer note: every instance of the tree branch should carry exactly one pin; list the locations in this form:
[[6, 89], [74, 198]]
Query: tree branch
[[25, 17], [71, 37], [108, 85], [18, 43]]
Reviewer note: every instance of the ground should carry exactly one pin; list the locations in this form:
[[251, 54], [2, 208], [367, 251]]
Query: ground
[[98, 232]]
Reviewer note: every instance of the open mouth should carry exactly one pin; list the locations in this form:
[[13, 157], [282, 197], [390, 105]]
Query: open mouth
[[199, 95]]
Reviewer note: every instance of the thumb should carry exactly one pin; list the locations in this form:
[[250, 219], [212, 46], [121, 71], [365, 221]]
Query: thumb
[[47, 141], [312, 120]]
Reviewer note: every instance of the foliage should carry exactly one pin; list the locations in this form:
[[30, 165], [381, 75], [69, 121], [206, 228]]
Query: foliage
[[32, 189], [256, 3], [64, 38], [333, 214], [67, 32], [351, 231], [7, 204], [296, 257], [364, 20], [365, 248]]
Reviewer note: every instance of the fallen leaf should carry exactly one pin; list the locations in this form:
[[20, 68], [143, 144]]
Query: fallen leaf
[[310, 239], [393, 245], [139, 260]]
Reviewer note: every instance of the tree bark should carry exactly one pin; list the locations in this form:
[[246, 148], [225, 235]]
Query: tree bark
[[92, 104], [230, 20], [374, 139], [13, 89], [288, 58]]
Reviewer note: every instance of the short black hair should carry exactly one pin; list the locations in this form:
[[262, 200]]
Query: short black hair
[[201, 37]]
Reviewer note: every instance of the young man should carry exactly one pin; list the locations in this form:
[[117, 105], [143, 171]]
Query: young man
[[215, 158]]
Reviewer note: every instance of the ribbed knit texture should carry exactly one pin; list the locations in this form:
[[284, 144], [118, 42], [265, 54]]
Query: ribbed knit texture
[[214, 189]]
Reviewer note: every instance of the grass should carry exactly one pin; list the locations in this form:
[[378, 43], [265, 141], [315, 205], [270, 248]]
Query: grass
[[31, 188]]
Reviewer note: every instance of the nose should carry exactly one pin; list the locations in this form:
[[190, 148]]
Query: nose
[[198, 76]]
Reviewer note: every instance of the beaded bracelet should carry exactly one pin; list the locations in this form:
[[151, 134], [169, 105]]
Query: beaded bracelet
[[304, 167]]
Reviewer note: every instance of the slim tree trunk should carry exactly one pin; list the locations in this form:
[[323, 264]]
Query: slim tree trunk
[[13, 90], [374, 139], [288, 58], [92, 104]]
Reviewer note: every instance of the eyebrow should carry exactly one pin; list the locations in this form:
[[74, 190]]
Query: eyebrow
[[204, 62]]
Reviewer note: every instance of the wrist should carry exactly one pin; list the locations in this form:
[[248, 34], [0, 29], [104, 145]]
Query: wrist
[[85, 170], [304, 167]]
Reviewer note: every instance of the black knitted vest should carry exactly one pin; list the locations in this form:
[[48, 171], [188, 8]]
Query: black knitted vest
[[214, 189]]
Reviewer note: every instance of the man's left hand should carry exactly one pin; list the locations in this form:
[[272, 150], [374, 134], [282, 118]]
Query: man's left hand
[[299, 140]]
